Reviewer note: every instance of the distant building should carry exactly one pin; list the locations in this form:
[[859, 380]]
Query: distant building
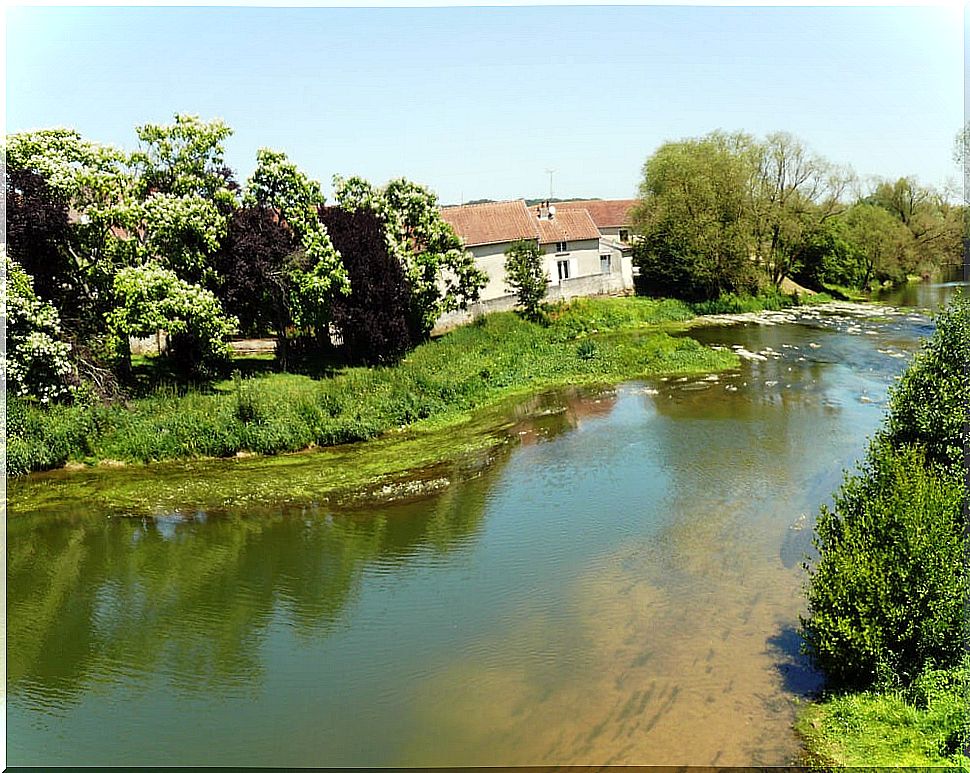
[[579, 260]]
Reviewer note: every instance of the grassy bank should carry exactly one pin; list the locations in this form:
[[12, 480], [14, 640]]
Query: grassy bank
[[730, 303], [923, 726], [440, 384]]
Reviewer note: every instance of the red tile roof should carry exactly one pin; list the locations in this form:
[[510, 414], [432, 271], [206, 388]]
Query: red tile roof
[[608, 213], [491, 223], [567, 226], [507, 221]]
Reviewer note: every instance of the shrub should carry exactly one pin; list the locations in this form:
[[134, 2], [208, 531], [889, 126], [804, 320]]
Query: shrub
[[586, 349], [888, 591], [930, 406], [36, 362], [151, 298]]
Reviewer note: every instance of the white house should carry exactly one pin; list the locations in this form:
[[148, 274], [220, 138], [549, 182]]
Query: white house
[[615, 223], [578, 259]]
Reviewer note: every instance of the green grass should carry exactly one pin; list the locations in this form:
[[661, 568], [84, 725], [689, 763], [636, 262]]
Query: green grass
[[438, 385], [847, 293], [924, 726]]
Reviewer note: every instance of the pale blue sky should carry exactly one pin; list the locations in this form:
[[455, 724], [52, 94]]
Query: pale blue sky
[[480, 102]]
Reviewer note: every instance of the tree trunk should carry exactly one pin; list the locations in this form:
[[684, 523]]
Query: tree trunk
[[282, 349]]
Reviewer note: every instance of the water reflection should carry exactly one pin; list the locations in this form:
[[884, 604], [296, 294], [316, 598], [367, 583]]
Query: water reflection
[[190, 596]]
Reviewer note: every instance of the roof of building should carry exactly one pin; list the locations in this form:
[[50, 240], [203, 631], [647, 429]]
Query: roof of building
[[508, 221], [491, 223], [567, 226], [606, 213]]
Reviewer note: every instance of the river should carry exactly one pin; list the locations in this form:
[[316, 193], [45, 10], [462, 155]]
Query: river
[[620, 585]]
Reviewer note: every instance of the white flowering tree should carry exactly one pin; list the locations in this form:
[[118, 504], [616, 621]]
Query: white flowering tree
[[36, 362], [162, 208], [441, 275], [149, 298], [315, 272]]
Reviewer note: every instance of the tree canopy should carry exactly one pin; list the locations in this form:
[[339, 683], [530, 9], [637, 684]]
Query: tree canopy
[[730, 213]]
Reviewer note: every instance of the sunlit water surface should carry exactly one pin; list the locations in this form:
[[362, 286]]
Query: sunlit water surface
[[623, 585]]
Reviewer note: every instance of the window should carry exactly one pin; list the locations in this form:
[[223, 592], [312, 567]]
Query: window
[[563, 268], [624, 234], [606, 264], [561, 247]]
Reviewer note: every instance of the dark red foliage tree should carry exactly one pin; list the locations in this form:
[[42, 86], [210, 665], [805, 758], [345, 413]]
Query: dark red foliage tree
[[252, 266], [38, 235], [373, 319]]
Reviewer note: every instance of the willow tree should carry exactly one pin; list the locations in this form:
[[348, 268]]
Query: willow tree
[[693, 218], [793, 193]]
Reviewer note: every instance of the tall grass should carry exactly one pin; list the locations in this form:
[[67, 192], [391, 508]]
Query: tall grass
[[927, 725], [439, 382]]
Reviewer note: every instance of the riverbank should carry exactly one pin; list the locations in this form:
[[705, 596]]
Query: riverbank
[[442, 384], [921, 727]]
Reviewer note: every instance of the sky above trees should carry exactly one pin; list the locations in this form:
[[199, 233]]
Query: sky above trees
[[482, 102]]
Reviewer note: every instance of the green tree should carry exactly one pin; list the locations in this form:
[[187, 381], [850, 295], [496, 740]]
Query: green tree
[[184, 158], [90, 180], [316, 273], [934, 223], [693, 218], [150, 298], [526, 277], [793, 193], [888, 592], [879, 242]]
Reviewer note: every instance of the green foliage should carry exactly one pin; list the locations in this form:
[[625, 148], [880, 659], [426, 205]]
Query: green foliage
[[929, 405], [586, 350], [585, 316], [732, 303], [150, 298], [932, 225], [440, 383], [185, 158], [36, 361], [888, 591], [694, 241], [180, 232], [878, 246], [71, 165], [793, 193], [316, 275], [45, 438], [526, 277]]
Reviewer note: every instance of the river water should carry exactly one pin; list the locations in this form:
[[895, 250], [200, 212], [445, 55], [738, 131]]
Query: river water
[[620, 585]]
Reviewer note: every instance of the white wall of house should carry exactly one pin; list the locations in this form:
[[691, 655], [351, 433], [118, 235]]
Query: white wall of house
[[582, 257], [490, 258], [613, 232]]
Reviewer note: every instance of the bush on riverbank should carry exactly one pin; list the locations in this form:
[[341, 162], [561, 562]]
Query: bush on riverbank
[[439, 382], [888, 592]]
